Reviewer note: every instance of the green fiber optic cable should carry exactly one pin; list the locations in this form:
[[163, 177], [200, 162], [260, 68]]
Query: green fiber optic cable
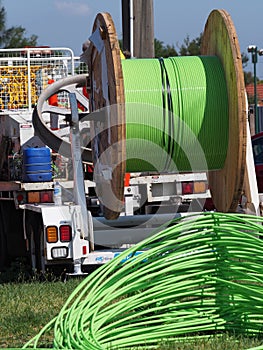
[[200, 276], [176, 113]]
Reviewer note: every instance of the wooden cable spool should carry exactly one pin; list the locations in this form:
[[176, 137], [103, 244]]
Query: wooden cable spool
[[220, 39], [107, 134], [108, 101]]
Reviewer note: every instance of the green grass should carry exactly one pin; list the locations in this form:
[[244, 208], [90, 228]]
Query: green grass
[[27, 306], [224, 342]]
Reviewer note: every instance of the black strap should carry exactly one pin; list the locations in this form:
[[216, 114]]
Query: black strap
[[167, 100]]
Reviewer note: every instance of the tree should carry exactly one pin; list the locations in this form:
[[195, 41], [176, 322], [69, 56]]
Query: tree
[[249, 78], [164, 51], [191, 48], [15, 36], [245, 59]]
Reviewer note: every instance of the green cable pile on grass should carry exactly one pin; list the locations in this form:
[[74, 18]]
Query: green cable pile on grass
[[198, 277]]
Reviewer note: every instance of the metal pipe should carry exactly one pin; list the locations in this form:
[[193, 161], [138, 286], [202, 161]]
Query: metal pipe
[[135, 220], [29, 99], [131, 29], [254, 60]]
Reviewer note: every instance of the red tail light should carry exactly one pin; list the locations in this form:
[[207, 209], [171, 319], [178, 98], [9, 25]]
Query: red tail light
[[46, 196], [65, 233], [187, 187]]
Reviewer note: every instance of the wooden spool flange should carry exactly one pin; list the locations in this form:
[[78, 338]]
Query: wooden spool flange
[[220, 39], [108, 129]]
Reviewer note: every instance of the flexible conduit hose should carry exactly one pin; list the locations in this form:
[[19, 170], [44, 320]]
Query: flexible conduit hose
[[176, 105], [201, 276]]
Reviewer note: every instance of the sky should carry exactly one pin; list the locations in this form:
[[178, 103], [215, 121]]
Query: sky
[[68, 23]]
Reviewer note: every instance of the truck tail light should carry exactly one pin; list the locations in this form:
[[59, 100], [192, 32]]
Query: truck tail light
[[65, 233], [40, 197], [52, 234], [46, 196], [200, 186], [187, 187], [33, 197], [191, 187]]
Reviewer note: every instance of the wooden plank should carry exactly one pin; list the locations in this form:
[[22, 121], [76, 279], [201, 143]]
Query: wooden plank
[[10, 186]]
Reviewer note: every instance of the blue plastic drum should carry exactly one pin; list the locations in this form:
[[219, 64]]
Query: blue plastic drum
[[37, 165]]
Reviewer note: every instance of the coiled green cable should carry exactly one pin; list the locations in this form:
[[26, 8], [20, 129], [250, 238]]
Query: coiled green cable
[[202, 275], [174, 107]]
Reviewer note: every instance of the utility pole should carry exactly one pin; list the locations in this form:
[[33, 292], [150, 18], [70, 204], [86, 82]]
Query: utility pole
[[254, 54], [126, 25], [138, 34]]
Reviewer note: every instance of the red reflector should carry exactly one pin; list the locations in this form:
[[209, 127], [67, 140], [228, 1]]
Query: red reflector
[[127, 179], [20, 197], [187, 187], [84, 250], [65, 233]]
